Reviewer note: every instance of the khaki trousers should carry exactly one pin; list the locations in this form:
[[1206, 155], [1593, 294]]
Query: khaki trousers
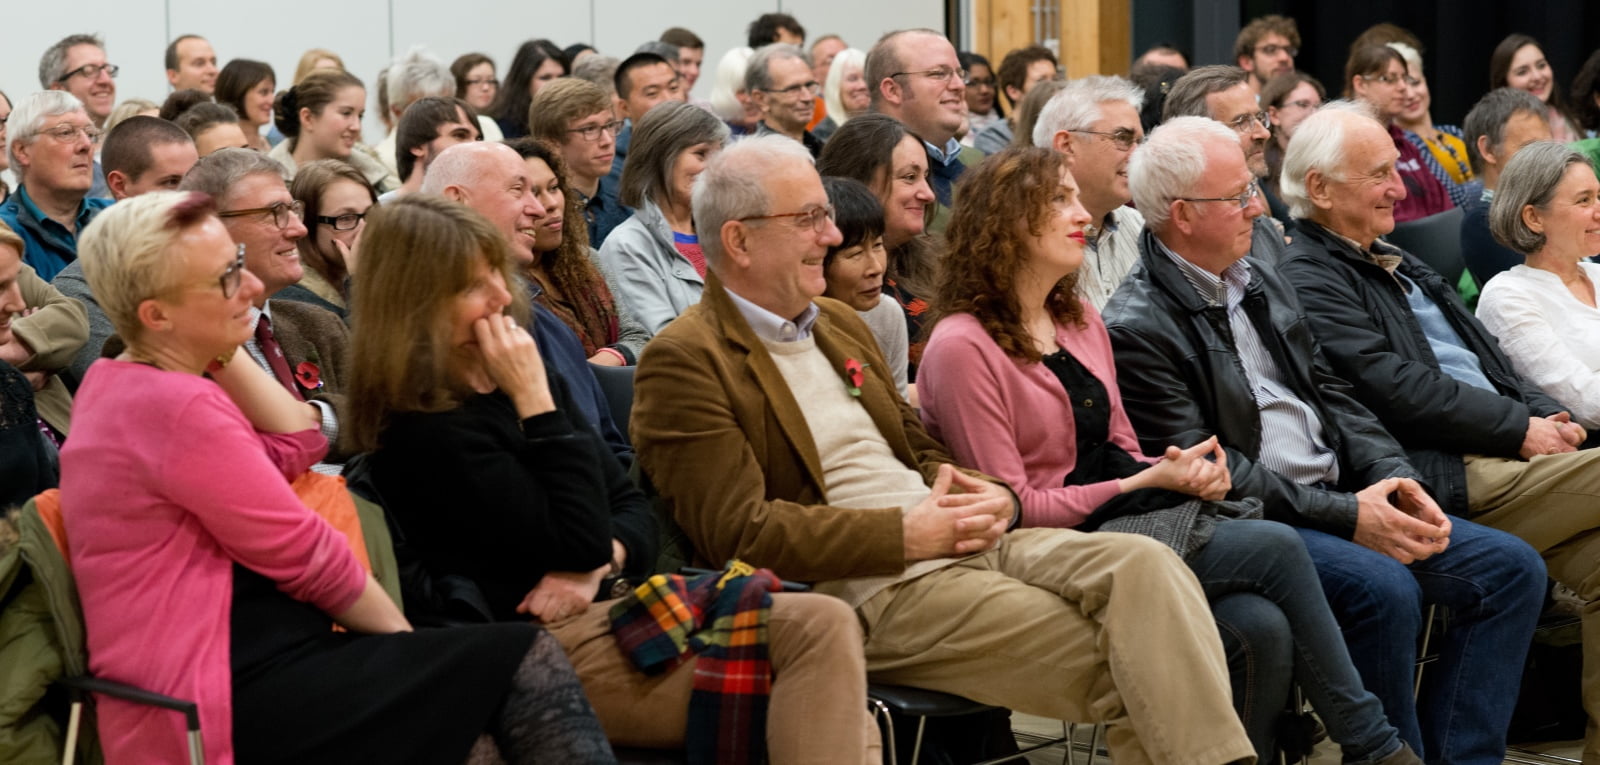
[[817, 712], [1552, 502], [1100, 627]]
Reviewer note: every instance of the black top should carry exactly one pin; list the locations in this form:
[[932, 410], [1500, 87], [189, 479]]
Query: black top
[[27, 464], [480, 493], [1098, 459]]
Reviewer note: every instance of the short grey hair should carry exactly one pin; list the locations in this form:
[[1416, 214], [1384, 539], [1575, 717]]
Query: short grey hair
[[758, 73], [665, 50], [53, 64], [28, 116], [217, 173], [732, 187], [729, 83], [1077, 106], [663, 133], [1187, 96], [600, 70], [1530, 178], [1318, 144], [1490, 115], [1171, 162], [415, 76]]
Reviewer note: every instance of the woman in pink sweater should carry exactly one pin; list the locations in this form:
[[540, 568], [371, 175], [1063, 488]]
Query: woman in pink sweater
[[203, 577], [1018, 381]]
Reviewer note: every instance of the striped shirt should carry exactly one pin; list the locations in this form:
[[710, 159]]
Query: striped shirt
[[1291, 432]]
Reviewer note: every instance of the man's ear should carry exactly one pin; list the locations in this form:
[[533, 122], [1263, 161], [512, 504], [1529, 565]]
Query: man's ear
[[889, 89], [1485, 151], [117, 181], [1062, 143], [1014, 95], [1319, 189], [455, 194], [735, 238], [172, 77], [1247, 63]]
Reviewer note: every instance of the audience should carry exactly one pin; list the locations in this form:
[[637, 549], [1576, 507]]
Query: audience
[[248, 86], [1289, 99], [844, 93], [785, 89], [335, 200], [428, 126], [916, 78], [1019, 72], [821, 55], [536, 64], [825, 476], [1586, 105], [42, 336], [77, 64], [1161, 54], [1027, 113], [1266, 48], [983, 108], [320, 118], [1489, 442], [1542, 311], [475, 80], [577, 118], [1442, 147], [50, 139], [1519, 62], [1503, 122], [656, 257], [1376, 76], [854, 269], [192, 64]]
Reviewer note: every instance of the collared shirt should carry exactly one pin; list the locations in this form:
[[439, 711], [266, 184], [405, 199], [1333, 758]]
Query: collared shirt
[[812, 143], [47, 245], [330, 420], [1112, 252], [945, 155], [603, 211], [1291, 432], [774, 328]]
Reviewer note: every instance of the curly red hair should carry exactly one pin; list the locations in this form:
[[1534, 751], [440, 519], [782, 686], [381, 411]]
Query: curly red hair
[[985, 248]]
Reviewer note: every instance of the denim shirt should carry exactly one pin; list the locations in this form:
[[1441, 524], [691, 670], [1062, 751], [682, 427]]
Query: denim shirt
[[47, 245], [603, 211]]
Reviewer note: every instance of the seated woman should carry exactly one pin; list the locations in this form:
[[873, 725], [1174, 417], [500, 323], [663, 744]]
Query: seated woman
[[1289, 98], [42, 334], [336, 197], [536, 512], [878, 151], [845, 92], [1544, 312], [27, 444], [570, 279], [1518, 61], [213, 127], [854, 269], [536, 62], [248, 86], [320, 118], [654, 256], [1377, 76], [1018, 381], [182, 479]]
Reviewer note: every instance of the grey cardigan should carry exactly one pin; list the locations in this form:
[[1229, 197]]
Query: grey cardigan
[[647, 273]]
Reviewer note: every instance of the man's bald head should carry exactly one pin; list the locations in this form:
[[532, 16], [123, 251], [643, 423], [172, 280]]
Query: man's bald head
[[492, 178]]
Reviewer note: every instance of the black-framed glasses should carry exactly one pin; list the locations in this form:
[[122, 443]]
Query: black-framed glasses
[[1250, 192], [1244, 123], [281, 212], [1273, 50], [345, 222], [66, 133], [940, 74], [1122, 138], [592, 132], [815, 217], [812, 88], [91, 71], [230, 279]]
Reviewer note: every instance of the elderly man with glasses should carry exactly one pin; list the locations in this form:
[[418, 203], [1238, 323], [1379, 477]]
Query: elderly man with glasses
[[50, 141], [301, 345], [1224, 93], [782, 82]]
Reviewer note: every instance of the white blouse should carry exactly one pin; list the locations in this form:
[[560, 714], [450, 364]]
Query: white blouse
[[1553, 340]]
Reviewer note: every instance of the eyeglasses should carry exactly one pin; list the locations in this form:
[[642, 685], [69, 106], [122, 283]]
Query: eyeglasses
[[69, 133], [940, 74], [280, 212], [977, 82], [1391, 79], [346, 222], [1273, 50], [1301, 104], [812, 88], [815, 217], [1250, 192], [91, 71], [592, 132], [489, 82], [1123, 138], [1244, 123], [229, 281]]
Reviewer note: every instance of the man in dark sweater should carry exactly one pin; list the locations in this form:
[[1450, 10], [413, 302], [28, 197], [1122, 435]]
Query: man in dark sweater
[[1500, 124]]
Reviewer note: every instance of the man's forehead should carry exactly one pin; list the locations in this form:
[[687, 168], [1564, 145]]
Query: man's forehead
[[1225, 105], [922, 49], [1118, 114], [653, 74], [193, 46], [259, 190], [601, 116], [84, 52]]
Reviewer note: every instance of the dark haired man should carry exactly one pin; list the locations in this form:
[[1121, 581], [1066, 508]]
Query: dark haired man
[[428, 126]]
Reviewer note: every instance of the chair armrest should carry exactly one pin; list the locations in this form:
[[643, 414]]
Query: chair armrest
[[85, 684]]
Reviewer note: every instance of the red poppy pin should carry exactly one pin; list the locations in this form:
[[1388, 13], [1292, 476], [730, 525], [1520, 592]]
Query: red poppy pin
[[853, 373], [308, 375]]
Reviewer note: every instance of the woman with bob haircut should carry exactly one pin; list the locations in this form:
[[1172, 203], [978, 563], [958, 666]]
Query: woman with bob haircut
[[248, 87], [179, 469], [447, 382], [655, 254], [1018, 380], [320, 118]]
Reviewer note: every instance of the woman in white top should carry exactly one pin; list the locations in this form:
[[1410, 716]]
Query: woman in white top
[[1545, 312]]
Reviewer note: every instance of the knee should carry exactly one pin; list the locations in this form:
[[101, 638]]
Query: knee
[[1253, 630], [1386, 592], [814, 619]]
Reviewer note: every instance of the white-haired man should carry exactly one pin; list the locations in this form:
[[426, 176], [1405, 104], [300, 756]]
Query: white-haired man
[[1095, 122], [412, 77], [1208, 343], [50, 140], [824, 474], [1490, 443]]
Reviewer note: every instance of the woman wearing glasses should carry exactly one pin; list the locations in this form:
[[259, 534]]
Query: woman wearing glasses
[[336, 198], [1289, 98], [321, 119], [654, 256], [477, 85], [239, 584], [1377, 76]]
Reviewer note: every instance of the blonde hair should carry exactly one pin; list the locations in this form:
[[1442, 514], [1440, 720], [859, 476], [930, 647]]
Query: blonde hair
[[308, 63], [127, 252]]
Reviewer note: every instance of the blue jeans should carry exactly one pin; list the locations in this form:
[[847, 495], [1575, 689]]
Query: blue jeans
[[1276, 627], [1493, 584]]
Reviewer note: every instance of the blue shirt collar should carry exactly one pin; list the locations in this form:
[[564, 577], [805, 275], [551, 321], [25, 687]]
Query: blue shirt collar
[[774, 328], [946, 155]]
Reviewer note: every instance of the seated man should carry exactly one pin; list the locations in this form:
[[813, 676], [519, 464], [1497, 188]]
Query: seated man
[[428, 127], [1490, 444], [1499, 125], [780, 80], [1211, 343], [302, 345], [770, 424], [51, 145]]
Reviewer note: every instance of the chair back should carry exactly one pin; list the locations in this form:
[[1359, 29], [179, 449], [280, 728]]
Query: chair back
[[617, 385], [1436, 240]]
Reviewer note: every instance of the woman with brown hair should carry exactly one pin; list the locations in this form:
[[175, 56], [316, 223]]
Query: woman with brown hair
[[1377, 75], [320, 118], [336, 198], [571, 281], [248, 87], [1519, 62]]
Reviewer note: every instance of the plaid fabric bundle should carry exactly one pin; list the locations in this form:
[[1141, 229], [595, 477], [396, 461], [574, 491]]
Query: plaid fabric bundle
[[721, 619]]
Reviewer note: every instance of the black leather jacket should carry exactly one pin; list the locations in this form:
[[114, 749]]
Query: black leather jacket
[[1182, 381], [1370, 336]]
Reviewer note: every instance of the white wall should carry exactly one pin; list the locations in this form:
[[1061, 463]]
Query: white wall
[[369, 33]]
